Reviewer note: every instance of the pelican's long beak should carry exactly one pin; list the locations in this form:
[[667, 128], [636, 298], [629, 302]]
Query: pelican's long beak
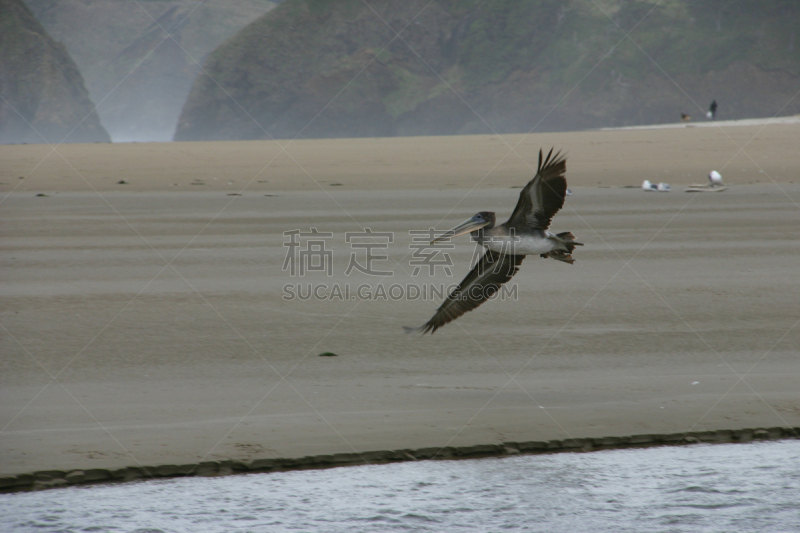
[[467, 227]]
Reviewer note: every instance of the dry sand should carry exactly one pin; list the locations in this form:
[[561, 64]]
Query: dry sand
[[143, 323]]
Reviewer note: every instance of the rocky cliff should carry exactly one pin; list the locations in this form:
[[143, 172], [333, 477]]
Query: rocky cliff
[[43, 95], [324, 68], [139, 59]]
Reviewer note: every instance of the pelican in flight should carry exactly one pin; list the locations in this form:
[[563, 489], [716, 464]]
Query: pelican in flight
[[524, 233]]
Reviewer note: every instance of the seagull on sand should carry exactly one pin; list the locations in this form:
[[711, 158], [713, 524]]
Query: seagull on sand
[[524, 233]]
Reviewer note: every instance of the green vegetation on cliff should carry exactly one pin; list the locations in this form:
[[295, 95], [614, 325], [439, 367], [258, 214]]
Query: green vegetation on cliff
[[315, 68]]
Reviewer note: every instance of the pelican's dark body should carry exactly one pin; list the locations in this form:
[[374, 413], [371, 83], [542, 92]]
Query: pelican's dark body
[[524, 233]]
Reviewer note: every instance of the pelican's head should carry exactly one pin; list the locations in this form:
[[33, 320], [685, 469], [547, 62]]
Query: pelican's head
[[480, 221]]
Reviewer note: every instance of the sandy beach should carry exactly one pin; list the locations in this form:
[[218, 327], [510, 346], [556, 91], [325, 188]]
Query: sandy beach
[[149, 322]]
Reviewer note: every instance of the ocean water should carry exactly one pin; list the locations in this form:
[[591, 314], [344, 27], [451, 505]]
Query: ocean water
[[709, 488]]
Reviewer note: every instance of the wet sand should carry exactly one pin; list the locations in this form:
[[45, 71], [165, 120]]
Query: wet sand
[[145, 323]]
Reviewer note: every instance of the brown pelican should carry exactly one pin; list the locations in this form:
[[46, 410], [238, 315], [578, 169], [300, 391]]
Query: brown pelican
[[524, 233]]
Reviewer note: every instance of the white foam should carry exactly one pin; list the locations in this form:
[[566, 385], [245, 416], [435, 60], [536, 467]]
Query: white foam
[[795, 119]]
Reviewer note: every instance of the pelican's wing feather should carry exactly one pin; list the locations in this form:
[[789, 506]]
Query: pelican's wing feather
[[481, 283], [543, 196]]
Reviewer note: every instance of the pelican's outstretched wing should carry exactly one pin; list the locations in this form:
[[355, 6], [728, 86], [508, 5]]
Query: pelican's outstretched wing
[[481, 283], [543, 196]]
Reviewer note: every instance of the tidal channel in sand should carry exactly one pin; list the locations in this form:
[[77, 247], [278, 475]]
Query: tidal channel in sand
[[720, 488]]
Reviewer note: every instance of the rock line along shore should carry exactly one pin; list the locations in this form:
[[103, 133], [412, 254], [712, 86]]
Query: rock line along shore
[[49, 479]]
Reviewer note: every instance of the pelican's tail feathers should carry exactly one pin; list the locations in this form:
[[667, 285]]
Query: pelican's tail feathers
[[567, 239]]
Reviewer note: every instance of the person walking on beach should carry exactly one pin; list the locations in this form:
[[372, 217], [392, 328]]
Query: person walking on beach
[[712, 111]]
